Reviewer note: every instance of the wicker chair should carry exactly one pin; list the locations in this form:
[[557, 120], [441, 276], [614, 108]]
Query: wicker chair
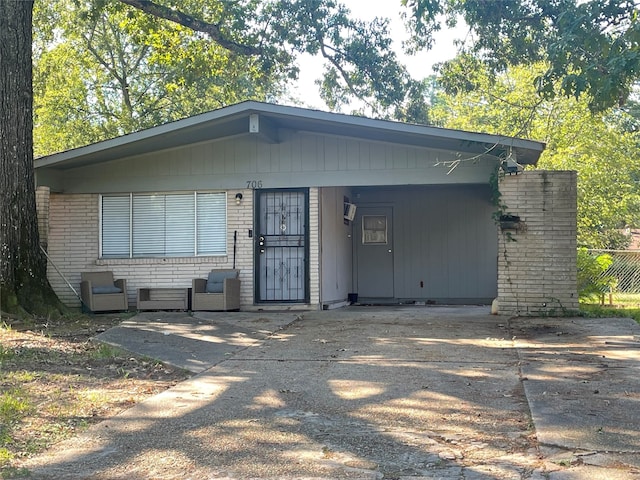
[[100, 293], [220, 291]]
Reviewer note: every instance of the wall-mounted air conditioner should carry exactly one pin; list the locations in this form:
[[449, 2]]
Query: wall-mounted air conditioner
[[349, 211]]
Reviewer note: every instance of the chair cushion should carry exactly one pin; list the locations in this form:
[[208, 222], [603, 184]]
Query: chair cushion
[[102, 279], [106, 289], [215, 281]]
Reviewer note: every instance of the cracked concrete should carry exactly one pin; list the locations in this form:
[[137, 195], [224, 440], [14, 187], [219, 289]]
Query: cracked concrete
[[372, 393]]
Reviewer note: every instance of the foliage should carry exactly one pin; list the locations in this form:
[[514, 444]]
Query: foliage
[[601, 147], [608, 164], [589, 47], [591, 278], [110, 68], [116, 70]]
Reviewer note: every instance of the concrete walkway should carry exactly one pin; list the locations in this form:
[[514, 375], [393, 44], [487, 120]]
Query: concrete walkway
[[372, 393]]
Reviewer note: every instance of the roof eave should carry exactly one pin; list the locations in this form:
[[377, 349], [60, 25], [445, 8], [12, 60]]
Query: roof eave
[[528, 151]]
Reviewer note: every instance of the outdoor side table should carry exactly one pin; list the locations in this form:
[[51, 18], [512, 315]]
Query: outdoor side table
[[163, 299]]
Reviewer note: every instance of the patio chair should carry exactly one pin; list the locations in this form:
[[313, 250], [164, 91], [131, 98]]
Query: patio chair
[[220, 291], [100, 293]]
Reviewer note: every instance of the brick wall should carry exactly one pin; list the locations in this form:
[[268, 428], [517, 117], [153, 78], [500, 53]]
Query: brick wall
[[537, 260], [73, 241], [74, 248], [314, 247], [42, 207]]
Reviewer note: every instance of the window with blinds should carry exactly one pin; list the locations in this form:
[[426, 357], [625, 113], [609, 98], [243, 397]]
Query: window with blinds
[[163, 225]]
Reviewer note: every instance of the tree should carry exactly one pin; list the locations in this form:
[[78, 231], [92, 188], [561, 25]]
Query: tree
[[268, 35], [599, 146], [132, 70], [359, 62], [589, 47], [117, 70], [23, 267]]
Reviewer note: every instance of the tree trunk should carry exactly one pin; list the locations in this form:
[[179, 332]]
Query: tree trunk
[[23, 267]]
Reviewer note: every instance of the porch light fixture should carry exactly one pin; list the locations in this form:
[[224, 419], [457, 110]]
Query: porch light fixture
[[238, 198]]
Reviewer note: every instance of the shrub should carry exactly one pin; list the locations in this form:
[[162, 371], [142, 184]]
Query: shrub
[[591, 274]]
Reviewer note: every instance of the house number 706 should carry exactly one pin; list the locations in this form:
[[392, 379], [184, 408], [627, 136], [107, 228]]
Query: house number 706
[[254, 184]]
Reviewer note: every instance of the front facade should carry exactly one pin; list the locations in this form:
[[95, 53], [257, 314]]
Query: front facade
[[312, 208]]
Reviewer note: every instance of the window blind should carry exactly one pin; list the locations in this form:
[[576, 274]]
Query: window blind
[[153, 225], [212, 223], [116, 222]]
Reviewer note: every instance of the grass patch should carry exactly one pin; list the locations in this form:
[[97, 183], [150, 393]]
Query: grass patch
[[5, 456], [18, 377], [57, 382], [105, 352], [6, 354], [13, 405], [604, 311], [627, 300]]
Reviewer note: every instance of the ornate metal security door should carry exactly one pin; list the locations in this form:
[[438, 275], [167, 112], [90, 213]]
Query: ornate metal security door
[[282, 271]]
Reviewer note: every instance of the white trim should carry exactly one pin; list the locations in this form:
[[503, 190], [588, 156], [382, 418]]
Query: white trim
[[100, 224], [131, 195], [130, 226]]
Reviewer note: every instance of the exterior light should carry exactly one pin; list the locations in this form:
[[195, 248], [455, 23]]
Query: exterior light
[[238, 198]]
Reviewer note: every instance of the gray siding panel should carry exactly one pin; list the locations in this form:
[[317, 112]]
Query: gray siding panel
[[377, 159], [300, 160], [336, 247], [331, 157], [444, 237]]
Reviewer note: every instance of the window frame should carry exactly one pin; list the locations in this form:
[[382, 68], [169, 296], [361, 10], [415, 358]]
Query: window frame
[[223, 233], [375, 236]]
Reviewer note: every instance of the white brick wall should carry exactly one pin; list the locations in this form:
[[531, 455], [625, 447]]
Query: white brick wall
[[314, 247], [73, 241], [42, 207], [74, 248], [537, 262]]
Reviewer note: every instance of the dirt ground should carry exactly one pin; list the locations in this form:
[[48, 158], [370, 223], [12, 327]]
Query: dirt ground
[[55, 382]]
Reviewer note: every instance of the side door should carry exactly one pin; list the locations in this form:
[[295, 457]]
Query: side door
[[374, 252]]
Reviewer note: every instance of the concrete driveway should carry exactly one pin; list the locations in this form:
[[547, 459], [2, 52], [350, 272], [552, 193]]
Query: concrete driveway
[[373, 393]]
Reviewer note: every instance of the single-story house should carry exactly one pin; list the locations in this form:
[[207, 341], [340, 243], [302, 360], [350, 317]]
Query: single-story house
[[313, 208]]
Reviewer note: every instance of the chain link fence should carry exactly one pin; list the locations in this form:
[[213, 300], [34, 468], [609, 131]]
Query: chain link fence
[[619, 282]]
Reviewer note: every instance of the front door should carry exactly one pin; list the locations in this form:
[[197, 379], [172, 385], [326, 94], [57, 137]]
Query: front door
[[282, 245], [374, 252]]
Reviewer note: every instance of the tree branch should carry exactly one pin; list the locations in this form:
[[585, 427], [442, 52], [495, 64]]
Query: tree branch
[[211, 29]]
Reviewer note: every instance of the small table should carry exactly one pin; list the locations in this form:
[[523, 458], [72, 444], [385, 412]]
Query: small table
[[163, 299]]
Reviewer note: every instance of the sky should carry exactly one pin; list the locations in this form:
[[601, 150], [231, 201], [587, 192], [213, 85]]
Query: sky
[[420, 65]]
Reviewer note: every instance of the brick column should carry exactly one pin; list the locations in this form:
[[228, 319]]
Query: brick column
[[537, 256]]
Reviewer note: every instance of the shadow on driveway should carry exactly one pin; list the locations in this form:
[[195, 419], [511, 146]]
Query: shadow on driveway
[[372, 393]]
